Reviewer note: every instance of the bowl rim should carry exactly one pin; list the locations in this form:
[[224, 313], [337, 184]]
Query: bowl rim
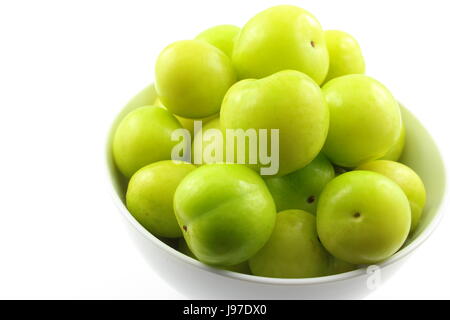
[[402, 253]]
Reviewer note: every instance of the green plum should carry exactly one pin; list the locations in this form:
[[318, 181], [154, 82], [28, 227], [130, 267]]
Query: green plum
[[345, 55], [208, 147], [143, 137], [363, 217], [396, 151], [184, 248], [407, 179], [301, 189], [293, 250], [226, 213], [281, 38], [150, 193], [209, 142], [189, 123], [222, 37], [240, 268], [191, 78], [365, 120], [186, 122], [288, 101]]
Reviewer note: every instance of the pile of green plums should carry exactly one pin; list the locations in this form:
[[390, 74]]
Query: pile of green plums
[[340, 199]]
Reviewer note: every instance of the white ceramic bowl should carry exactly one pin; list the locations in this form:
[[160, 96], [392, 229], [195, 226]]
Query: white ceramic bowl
[[196, 280]]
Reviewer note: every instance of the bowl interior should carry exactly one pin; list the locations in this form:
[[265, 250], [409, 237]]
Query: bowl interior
[[420, 153]]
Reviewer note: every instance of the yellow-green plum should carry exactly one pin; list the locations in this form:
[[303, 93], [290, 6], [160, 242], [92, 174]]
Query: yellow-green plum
[[345, 55], [186, 122], [293, 250], [407, 179], [226, 213], [159, 103], [363, 217], [288, 101], [241, 267], [184, 248], [143, 137], [191, 78], [222, 37], [301, 189], [210, 146], [365, 120], [396, 151], [284, 37], [206, 151], [189, 123], [150, 193]]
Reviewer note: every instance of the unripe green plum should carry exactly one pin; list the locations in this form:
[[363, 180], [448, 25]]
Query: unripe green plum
[[191, 78], [301, 189], [407, 179], [186, 122], [184, 248], [222, 37], [143, 137], [281, 38], [209, 143], [189, 123], [396, 151], [365, 120], [226, 213], [288, 101], [150, 196], [293, 250], [363, 217], [240, 268], [345, 55]]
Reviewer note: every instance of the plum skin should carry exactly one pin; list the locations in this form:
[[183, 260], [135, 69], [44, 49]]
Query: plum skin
[[365, 120], [191, 78], [345, 55], [363, 217], [223, 37], [407, 179], [240, 268], [293, 250], [226, 213], [396, 151], [288, 101], [149, 197], [301, 189], [187, 123], [281, 38], [143, 137]]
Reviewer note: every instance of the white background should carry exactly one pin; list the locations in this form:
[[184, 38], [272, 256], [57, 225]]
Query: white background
[[67, 67]]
